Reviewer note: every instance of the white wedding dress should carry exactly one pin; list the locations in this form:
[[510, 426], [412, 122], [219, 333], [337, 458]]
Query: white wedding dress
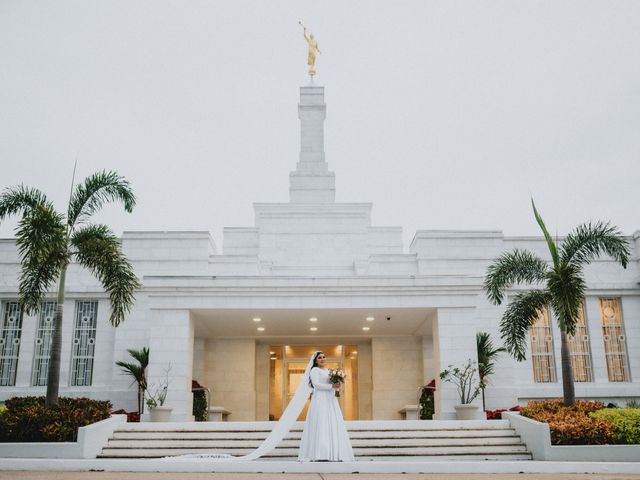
[[325, 434]]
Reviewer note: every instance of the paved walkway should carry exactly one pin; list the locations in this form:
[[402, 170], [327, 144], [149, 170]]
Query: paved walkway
[[18, 475], [149, 469], [7, 475]]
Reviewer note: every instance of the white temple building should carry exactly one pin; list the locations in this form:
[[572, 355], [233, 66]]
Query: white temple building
[[310, 274]]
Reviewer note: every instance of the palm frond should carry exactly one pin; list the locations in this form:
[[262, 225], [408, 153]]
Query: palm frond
[[487, 354], [15, 200], [520, 314], [517, 266], [96, 191], [142, 356], [567, 287], [130, 368], [591, 240], [41, 242], [136, 372], [98, 249], [553, 249]]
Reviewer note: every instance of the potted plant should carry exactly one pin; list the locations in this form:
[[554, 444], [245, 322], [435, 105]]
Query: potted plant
[[468, 387], [156, 398]]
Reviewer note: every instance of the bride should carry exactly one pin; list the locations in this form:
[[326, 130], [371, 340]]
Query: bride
[[324, 437]]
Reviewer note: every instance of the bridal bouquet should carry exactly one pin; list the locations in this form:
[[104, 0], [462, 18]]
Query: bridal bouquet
[[336, 375]]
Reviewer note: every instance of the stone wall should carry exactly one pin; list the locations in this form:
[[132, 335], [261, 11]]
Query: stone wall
[[262, 366], [230, 370], [397, 373]]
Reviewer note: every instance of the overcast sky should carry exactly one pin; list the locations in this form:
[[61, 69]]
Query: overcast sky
[[445, 115]]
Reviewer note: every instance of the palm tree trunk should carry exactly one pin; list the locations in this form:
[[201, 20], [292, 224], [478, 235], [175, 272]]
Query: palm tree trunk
[[53, 375], [568, 389], [143, 388]]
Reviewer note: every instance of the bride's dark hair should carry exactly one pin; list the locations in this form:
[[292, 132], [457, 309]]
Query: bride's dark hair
[[315, 364], [315, 358]]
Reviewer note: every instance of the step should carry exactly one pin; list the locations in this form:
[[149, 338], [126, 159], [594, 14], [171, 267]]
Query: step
[[479, 456], [293, 452], [371, 440], [441, 458], [211, 435], [359, 442], [222, 429], [455, 458], [378, 425]]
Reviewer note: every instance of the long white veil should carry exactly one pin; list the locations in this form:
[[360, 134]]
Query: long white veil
[[288, 418]]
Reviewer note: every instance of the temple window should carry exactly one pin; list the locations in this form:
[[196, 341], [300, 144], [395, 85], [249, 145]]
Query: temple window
[[615, 341], [10, 342], [84, 341], [542, 355]]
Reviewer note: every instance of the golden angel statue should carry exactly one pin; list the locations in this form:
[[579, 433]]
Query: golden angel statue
[[313, 50]]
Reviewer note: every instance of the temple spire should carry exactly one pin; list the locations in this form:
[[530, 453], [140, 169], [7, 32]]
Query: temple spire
[[312, 182]]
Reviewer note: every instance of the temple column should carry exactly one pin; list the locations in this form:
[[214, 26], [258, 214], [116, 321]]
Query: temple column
[[455, 343], [171, 343]]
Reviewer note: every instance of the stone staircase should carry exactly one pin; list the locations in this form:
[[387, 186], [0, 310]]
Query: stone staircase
[[411, 440]]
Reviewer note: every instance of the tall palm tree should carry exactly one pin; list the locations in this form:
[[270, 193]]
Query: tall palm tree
[[49, 241], [560, 285], [138, 372], [487, 355]]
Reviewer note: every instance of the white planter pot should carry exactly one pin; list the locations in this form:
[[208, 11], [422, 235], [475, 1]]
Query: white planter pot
[[160, 414], [466, 411]]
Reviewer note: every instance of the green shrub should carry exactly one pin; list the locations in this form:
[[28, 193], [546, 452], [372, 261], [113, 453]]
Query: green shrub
[[624, 421], [200, 405], [28, 419], [571, 425], [427, 407]]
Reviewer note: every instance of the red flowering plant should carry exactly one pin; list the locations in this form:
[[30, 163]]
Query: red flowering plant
[[465, 379], [337, 375], [497, 414], [131, 416]]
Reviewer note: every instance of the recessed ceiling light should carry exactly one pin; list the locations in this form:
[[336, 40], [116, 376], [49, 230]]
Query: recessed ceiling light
[[314, 329], [313, 319], [273, 358], [261, 329], [355, 352], [366, 329], [272, 353], [370, 319], [257, 319]]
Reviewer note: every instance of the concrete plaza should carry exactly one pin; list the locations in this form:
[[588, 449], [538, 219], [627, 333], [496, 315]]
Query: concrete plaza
[[41, 475]]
